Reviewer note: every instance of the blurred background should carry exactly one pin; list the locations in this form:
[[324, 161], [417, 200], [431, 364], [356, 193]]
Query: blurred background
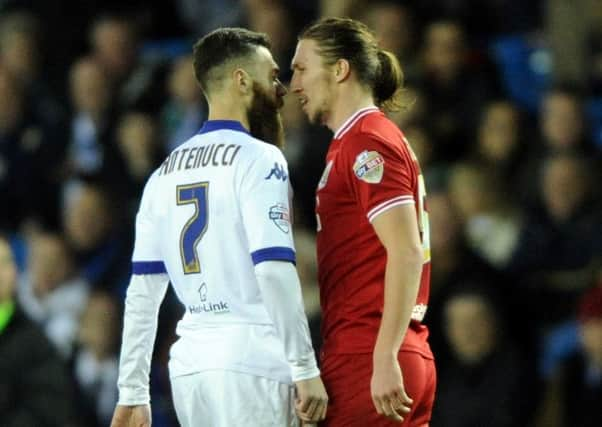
[[505, 115]]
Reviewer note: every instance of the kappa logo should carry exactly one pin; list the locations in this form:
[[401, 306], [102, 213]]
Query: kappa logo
[[369, 166], [278, 172], [324, 178], [280, 216]]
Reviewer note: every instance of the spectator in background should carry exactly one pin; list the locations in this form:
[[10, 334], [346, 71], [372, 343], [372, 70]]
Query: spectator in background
[[558, 243], [394, 24], [499, 144], [201, 17], [575, 35], [574, 390], [491, 223], [273, 18], [51, 293], [562, 129], [134, 82], [562, 124], [340, 8], [114, 46], [186, 109], [455, 89], [96, 361], [93, 228], [487, 382], [34, 386], [456, 264], [140, 153], [22, 56], [28, 160], [92, 122]]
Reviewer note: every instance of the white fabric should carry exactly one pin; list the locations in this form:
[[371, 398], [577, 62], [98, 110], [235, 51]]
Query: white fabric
[[244, 192], [144, 296], [230, 399], [281, 291], [58, 312]]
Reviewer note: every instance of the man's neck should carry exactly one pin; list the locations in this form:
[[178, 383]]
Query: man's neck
[[347, 102], [228, 110]]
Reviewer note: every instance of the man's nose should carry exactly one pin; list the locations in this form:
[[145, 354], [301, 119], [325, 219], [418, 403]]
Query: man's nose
[[281, 89], [294, 86]]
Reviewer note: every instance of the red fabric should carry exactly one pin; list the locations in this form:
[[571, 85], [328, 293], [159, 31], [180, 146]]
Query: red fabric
[[347, 380], [590, 306], [351, 259]]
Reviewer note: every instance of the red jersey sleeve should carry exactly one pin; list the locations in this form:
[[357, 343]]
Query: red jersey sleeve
[[380, 173]]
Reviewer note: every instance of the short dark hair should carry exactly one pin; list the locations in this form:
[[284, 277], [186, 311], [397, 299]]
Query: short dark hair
[[221, 46]]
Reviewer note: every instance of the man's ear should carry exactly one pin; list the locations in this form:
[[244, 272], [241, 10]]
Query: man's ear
[[242, 80], [341, 70]]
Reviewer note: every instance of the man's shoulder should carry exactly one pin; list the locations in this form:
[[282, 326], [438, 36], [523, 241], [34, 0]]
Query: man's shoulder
[[376, 128]]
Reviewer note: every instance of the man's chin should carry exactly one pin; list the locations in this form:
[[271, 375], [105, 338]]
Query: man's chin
[[317, 118]]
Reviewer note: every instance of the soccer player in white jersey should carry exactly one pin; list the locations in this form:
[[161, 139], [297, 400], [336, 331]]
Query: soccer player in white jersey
[[215, 221]]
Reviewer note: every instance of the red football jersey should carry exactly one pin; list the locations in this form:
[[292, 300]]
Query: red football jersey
[[370, 168]]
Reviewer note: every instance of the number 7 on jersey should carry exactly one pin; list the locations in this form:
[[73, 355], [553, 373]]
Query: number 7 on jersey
[[196, 226]]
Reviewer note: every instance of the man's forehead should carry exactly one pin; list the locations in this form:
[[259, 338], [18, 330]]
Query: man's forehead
[[266, 59], [305, 50]]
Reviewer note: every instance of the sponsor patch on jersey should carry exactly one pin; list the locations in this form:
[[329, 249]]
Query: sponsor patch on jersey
[[369, 166], [280, 216], [324, 178]]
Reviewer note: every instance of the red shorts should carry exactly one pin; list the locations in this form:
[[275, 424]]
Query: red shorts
[[347, 380]]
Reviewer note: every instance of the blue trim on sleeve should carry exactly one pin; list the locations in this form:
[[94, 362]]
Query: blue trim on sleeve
[[148, 267], [276, 253]]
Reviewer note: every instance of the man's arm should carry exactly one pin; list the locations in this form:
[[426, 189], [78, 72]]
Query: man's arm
[[281, 292], [144, 296], [265, 213], [397, 229]]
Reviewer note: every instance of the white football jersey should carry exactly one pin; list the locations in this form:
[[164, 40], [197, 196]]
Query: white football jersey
[[218, 205]]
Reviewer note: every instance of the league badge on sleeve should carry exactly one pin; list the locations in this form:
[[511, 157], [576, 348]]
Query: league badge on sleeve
[[280, 216], [369, 166]]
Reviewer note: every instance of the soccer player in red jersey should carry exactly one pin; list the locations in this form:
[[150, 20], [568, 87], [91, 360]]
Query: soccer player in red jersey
[[373, 233]]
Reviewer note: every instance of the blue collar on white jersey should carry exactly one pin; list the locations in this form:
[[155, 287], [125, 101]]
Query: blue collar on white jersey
[[211, 125]]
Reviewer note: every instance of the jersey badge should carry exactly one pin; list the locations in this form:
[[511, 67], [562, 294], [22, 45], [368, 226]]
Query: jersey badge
[[280, 216], [369, 166]]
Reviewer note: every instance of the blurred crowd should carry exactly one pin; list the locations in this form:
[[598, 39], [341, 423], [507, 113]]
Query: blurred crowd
[[504, 111]]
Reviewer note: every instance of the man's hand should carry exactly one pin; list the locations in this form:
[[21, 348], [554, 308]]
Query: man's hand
[[311, 400], [131, 416], [388, 394]]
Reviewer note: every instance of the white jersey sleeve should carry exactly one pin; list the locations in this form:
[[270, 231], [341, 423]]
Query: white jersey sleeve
[[147, 257], [265, 208], [281, 293], [265, 205], [144, 296]]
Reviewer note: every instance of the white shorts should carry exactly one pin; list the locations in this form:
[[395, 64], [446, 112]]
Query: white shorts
[[221, 398]]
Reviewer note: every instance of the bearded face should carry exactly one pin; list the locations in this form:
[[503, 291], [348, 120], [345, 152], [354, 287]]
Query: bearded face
[[264, 117]]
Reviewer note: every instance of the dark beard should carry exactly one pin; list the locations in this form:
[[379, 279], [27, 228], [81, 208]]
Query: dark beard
[[264, 118]]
